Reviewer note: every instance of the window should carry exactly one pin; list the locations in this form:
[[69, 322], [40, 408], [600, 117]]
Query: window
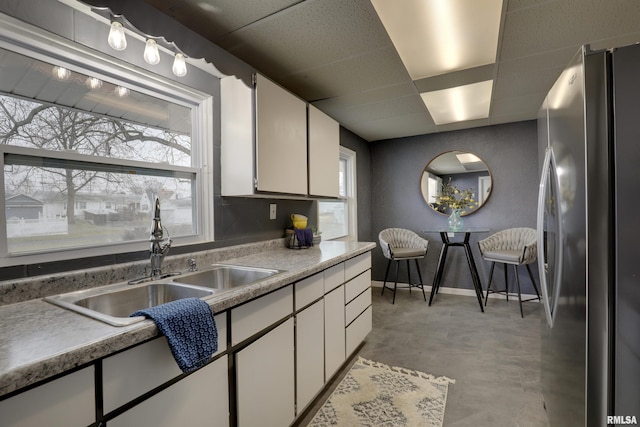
[[86, 146], [337, 218]]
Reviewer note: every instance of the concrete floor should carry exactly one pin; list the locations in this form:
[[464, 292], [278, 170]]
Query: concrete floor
[[493, 356]]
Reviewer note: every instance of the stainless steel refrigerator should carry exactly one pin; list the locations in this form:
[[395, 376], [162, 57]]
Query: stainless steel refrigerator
[[589, 240]]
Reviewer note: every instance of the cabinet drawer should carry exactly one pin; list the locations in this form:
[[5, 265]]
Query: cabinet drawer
[[309, 290], [333, 277], [251, 318], [136, 371], [356, 265], [357, 306], [358, 330], [355, 287]]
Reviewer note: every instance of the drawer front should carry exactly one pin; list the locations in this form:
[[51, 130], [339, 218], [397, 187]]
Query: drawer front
[[309, 290], [357, 306], [252, 317], [357, 265], [133, 372], [358, 330], [333, 277], [354, 287]]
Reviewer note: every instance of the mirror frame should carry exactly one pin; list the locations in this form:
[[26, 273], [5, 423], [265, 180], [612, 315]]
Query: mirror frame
[[490, 190]]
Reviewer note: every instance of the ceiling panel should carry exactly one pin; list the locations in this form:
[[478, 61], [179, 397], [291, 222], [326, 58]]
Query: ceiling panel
[[337, 54], [311, 35], [378, 69]]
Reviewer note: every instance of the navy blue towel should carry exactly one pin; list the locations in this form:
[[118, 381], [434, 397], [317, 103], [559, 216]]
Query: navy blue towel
[[190, 329], [304, 236]]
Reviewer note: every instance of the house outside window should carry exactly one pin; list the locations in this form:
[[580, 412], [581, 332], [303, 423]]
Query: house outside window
[[337, 218], [88, 145]]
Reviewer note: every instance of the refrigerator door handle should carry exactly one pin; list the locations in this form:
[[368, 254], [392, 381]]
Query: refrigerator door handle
[[550, 302]]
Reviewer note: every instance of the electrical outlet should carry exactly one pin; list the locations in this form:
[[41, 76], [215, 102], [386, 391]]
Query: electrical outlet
[[272, 211]]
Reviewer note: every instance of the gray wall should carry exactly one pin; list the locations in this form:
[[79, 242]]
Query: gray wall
[[511, 153]]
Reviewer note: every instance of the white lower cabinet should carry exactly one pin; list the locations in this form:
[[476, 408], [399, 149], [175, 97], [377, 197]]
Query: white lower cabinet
[[309, 354], [133, 372], [334, 331], [265, 379], [200, 399], [67, 401]]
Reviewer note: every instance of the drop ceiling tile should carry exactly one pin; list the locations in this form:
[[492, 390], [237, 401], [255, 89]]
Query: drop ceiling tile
[[463, 125], [523, 4], [373, 69], [527, 105], [395, 127], [219, 17], [539, 61], [375, 94], [559, 24], [389, 108], [523, 83], [303, 38]]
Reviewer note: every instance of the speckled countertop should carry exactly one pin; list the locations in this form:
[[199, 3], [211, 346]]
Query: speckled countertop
[[39, 340]]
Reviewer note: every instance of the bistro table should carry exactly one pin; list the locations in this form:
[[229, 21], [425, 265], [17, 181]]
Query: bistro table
[[445, 233]]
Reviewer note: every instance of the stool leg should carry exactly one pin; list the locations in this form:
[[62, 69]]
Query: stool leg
[[384, 285], [421, 282], [493, 264], [395, 286], [409, 275], [515, 270], [535, 288], [506, 282]]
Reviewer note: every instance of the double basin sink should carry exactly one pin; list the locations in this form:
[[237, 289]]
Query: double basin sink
[[113, 304]]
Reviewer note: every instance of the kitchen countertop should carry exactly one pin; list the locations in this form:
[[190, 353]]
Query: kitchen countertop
[[39, 340]]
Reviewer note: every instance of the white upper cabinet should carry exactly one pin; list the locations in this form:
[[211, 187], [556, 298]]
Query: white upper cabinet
[[237, 151], [324, 154], [265, 152], [272, 145], [281, 139]]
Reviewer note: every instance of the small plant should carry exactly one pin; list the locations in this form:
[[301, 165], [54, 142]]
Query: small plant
[[452, 197]]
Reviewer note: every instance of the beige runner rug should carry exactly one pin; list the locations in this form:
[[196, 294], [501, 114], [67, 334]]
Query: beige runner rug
[[375, 394]]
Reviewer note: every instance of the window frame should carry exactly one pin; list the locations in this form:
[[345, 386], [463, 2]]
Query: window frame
[[33, 42], [350, 199]]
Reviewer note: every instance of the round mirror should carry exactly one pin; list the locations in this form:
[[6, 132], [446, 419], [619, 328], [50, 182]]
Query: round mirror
[[456, 180]]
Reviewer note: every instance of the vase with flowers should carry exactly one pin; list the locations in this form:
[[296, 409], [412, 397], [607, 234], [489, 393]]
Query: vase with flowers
[[458, 201]]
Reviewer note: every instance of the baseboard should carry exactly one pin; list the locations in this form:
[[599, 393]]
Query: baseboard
[[454, 291]]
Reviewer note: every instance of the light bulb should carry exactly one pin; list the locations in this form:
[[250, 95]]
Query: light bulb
[[179, 65], [93, 83], [121, 91], [151, 54], [117, 39], [61, 73]]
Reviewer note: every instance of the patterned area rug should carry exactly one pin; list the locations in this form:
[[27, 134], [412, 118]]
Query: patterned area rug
[[375, 394]]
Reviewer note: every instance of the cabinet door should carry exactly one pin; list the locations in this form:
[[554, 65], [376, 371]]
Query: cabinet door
[[133, 372], [200, 399], [324, 154], [281, 139], [334, 330], [265, 379], [67, 401], [309, 354], [236, 131]]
